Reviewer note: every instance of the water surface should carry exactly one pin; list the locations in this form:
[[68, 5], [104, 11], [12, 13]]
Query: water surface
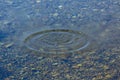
[[34, 33]]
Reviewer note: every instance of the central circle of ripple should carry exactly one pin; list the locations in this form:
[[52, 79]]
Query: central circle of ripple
[[57, 41]]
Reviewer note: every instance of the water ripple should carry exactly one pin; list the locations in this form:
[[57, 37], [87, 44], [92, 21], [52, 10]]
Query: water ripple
[[57, 41]]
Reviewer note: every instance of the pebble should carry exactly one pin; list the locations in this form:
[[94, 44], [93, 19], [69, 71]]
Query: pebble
[[54, 74], [105, 67], [55, 64], [9, 1], [108, 76], [7, 79], [55, 14], [39, 58], [68, 76], [77, 66], [9, 45], [60, 6], [38, 1]]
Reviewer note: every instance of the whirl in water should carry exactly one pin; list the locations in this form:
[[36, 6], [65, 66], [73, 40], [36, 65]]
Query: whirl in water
[[57, 41]]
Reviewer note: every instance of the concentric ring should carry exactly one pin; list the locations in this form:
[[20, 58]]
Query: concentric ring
[[57, 41]]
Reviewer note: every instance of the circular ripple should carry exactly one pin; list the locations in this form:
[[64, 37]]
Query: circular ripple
[[57, 41]]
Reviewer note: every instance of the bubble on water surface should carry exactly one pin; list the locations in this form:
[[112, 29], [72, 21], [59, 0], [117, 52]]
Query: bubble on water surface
[[57, 41]]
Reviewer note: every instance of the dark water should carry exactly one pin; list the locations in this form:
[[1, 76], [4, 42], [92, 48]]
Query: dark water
[[59, 39], [3, 35], [4, 73]]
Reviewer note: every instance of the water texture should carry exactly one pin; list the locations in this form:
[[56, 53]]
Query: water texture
[[32, 31], [57, 41]]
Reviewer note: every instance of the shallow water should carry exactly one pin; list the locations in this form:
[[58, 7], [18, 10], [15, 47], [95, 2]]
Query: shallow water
[[60, 40], [57, 41]]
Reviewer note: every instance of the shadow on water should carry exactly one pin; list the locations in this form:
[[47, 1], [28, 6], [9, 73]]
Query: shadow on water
[[3, 35], [4, 73], [6, 34]]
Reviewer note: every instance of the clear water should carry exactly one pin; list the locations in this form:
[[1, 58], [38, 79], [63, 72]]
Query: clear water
[[59, 39]]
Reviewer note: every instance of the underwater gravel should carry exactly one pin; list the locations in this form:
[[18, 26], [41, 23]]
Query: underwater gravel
[[101, 16]]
